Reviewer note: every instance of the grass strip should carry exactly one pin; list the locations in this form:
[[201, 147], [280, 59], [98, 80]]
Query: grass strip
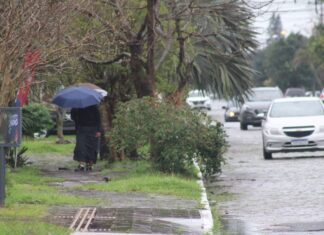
[[28, 199], [48, 146], [143, 178], [31, 227]]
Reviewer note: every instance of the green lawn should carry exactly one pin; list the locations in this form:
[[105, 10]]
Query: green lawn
[[30, 227], [152, 184], [29, 194], [48, 146], [142, 178], [28, 198]]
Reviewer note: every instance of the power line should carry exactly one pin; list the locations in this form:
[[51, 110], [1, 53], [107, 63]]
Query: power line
[[289, 11]]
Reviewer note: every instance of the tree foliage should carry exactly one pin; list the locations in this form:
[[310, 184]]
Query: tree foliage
[[36, 118], [26, 26], [279, 65], [204, 43]]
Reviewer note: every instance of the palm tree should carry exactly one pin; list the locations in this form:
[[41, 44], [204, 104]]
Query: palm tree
[[220, 45]]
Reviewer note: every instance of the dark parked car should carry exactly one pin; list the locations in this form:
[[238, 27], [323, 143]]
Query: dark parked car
[[295, 92], [232, 112], [258, 102], [68, 123]]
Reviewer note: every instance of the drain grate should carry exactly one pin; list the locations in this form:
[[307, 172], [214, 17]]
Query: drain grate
[[83, 219]]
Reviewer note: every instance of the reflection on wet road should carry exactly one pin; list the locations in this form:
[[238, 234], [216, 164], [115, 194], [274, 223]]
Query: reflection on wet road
[[280, 196]]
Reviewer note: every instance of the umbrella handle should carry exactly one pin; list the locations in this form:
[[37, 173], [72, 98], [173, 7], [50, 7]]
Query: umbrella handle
[[98, 146]]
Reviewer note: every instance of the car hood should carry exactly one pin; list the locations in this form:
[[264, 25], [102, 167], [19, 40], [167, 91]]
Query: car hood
[[295, 121], [200, 98], [259, 105], [233, 109]]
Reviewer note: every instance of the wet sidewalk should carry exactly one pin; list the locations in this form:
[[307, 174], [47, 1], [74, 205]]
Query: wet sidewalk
[[130, 213], [144, 221]]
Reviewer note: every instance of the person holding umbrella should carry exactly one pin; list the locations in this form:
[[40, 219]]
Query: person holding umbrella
[[83, 102], [87, 123]]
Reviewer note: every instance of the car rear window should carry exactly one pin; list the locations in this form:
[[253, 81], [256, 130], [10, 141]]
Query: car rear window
[[295, 92], [264, 95], [297, 109]]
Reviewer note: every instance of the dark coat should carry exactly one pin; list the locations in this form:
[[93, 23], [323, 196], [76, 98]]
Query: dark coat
[[87, 123]]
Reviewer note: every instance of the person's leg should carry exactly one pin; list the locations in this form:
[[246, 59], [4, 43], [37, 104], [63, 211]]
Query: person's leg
[[80, 151], [81, 166], [91, 149], [89, 166]]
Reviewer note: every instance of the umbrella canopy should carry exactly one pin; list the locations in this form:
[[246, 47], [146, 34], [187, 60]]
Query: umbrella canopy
[[77, 97], [94, 87]]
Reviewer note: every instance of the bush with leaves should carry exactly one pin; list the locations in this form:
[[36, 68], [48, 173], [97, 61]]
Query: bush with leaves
[[176, 135], [36, 118], [18, 159]]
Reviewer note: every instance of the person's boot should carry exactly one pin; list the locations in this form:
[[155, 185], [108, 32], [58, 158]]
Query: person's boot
[[81, 167], [89, 166]]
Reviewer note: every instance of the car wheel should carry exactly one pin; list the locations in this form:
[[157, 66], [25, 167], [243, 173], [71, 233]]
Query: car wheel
[[266, 155], [243, 126]]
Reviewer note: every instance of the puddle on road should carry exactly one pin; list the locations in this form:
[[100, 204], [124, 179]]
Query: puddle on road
[[232, 226]]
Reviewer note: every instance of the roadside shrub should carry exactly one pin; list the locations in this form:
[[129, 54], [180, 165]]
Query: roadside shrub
[[176, 135], [36, 118]]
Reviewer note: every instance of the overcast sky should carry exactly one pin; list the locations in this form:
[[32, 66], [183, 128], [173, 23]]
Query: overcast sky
[[295, 17]]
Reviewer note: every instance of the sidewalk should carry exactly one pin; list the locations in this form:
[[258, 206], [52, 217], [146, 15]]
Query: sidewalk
[[132, 213]]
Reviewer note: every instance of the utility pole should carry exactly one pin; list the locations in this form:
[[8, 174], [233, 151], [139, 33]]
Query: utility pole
[[321, 14], [2, 177]]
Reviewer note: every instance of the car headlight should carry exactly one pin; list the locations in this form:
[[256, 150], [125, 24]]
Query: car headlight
[[272, 131], [231, 114]]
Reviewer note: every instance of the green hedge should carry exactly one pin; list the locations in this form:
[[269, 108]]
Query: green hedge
[[175, 135]]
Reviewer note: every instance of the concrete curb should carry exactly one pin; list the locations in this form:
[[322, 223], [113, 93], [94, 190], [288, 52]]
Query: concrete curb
[[206, 215]]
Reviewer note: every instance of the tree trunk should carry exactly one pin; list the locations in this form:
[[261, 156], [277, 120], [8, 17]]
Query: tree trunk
[[107, 114], [6, 89], [60, 113], [142, 85], [177, 94], [151, 4]]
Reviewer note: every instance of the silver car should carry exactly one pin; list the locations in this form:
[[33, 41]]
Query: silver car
[[198, 100], [292, 125]]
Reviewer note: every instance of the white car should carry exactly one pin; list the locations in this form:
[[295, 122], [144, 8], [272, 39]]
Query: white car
[[293, 125], [198, 99]]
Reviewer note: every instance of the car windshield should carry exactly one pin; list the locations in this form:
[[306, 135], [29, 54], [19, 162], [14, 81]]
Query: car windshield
[[297, 109], [233, 103], [264, 95], [295, 92], [196, 94]]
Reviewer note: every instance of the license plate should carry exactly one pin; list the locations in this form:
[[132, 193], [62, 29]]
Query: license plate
[[299, 142]]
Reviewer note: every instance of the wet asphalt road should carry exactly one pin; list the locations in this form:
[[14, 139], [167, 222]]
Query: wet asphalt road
[[280, 196]]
